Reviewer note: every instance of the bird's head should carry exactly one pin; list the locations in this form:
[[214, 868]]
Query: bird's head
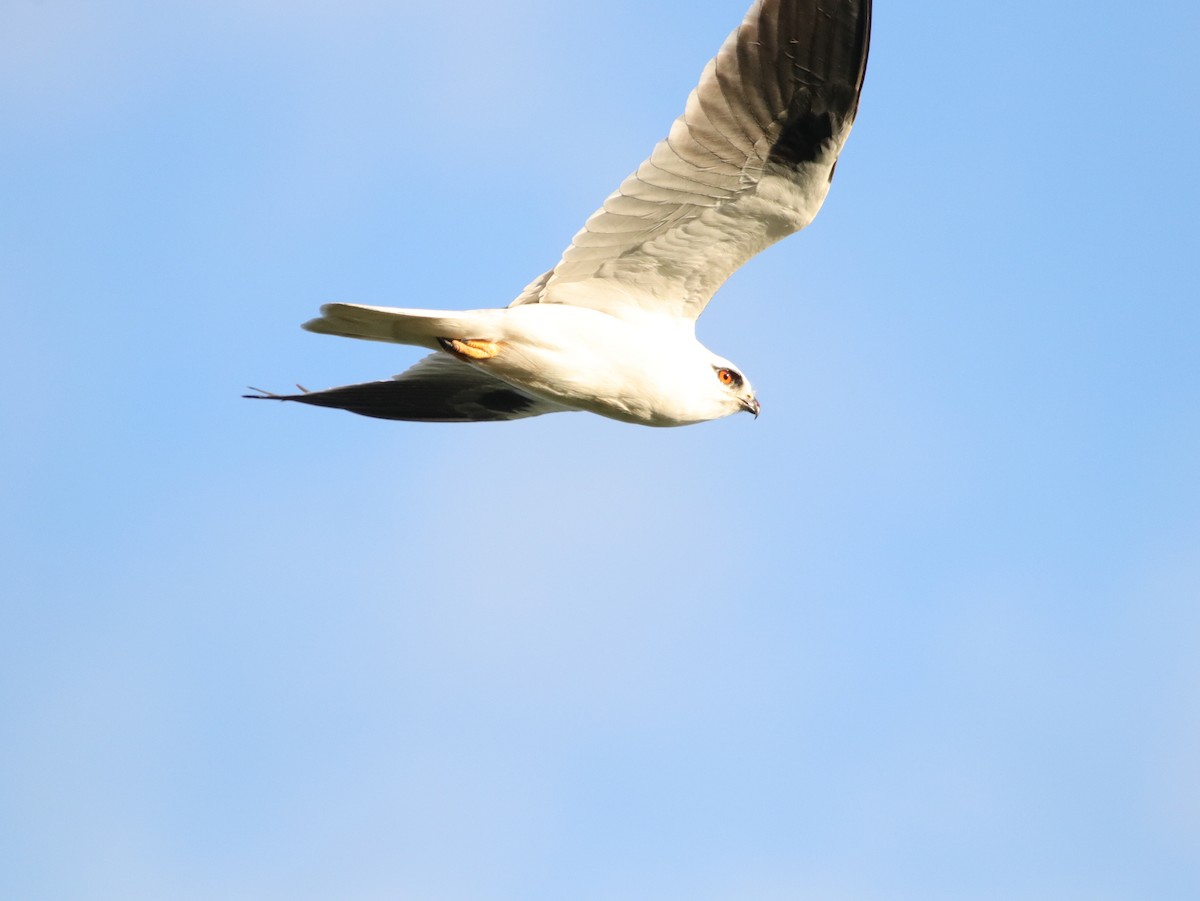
[[733, 390]]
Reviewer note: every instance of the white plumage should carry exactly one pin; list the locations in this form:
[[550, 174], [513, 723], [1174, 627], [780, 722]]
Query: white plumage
[[611, 328]]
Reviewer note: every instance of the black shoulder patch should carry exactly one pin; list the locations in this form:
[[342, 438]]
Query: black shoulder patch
[[803, 138]]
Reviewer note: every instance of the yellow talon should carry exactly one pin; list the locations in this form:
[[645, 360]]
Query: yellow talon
[[475, 348]]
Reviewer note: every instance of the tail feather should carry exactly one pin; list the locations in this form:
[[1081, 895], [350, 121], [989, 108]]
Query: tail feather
[[422, 328]]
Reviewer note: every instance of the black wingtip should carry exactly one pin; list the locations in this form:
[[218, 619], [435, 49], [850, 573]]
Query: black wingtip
[[263, 395], [828, 80]]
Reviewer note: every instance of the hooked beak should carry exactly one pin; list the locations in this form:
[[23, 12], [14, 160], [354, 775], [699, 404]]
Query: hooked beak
[[751, 405]]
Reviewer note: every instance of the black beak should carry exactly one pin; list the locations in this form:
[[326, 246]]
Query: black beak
[[751, 405]]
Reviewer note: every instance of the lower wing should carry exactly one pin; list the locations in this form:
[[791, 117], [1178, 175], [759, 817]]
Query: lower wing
[[438, 388]]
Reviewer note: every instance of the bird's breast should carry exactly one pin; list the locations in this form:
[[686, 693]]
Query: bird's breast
[[633, 371]]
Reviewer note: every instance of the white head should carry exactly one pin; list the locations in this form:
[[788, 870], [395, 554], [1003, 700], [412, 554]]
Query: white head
[[704, 386], [692, 385], [732, 390]]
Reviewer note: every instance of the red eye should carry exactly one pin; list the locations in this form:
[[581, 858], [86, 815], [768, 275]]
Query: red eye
[[726, 376]]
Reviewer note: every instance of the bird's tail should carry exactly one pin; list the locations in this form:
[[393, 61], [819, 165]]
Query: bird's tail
[[419, 327]]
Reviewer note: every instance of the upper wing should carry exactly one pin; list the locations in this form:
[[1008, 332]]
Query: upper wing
[[749, 162], [438, 388]]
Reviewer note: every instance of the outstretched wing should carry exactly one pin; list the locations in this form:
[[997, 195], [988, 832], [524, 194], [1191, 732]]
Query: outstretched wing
[[438, 388], [749, 162]]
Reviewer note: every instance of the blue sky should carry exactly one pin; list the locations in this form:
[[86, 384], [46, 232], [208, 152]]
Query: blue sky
[[925, 630]]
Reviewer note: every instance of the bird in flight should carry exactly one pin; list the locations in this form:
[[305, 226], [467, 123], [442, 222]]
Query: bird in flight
[[612, 328]]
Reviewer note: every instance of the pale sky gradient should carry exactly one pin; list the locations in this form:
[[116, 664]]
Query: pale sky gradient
[[926, 630]]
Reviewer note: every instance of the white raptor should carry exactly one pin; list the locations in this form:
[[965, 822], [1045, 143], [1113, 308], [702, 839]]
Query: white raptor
[[611, 328]]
